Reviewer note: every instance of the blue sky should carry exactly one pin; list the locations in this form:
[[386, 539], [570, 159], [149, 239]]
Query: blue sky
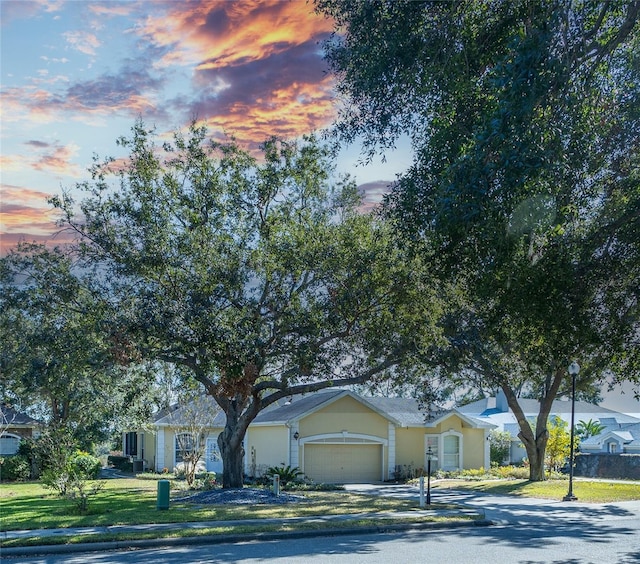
[[76, 74]]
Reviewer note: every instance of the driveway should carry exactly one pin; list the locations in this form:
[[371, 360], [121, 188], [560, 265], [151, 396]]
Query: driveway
[[502, 509]]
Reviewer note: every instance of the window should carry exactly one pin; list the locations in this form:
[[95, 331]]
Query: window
[[9, 444], [184, 446], [613, 448], [431, 441], [131, 444], [451, 452]]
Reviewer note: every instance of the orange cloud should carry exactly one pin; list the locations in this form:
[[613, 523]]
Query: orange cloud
[[44, 157], [217, 33], [25, 215]]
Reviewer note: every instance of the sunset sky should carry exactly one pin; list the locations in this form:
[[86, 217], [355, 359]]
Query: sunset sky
[[76, 74]]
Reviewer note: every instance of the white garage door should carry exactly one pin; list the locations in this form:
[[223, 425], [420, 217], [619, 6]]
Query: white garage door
[[346, 464]]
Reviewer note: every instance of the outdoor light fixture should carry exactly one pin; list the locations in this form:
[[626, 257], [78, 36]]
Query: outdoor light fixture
[[296, 435], [574, 370]]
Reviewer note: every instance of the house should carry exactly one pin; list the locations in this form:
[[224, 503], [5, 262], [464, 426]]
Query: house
[[332, 436], [615, 438], [495, 410], [15, 426]]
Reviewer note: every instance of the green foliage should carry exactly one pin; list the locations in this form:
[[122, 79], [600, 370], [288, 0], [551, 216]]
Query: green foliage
[[259, 278], [205, 481], [287, 474], [75, 478], [586, 429], [558, 444], [499, 446], [15, 468], [85, 465], [57, 348], [526, 134], [120, 462]]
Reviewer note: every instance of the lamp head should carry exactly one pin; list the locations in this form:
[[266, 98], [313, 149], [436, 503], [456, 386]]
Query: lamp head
[[574, 368]]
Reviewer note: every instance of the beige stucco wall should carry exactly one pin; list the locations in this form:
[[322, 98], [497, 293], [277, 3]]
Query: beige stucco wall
[[345, 414], [270, 445], [148, 441], [452, 423], [474, 447], [410, 447], [169, 449], [410, 443]]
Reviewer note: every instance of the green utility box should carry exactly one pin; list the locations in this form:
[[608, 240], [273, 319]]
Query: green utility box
[[163, 494]]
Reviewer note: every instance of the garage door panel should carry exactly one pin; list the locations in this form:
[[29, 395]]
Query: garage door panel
[[343, 463]]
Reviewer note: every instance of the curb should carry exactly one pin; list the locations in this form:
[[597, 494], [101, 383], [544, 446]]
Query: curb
[[222, 539]]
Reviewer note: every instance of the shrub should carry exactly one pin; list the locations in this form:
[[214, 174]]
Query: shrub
[[499, 446], [15, 468], [287, 474], [120, 462], [205, 481], [85, 465], [512, 472]]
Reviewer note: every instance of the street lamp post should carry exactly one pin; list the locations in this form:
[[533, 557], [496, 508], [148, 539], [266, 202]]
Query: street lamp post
[[574, 369], [429, 457]]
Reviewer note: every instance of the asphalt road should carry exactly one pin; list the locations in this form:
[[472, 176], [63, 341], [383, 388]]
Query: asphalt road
[[616, 543], [529, 531]]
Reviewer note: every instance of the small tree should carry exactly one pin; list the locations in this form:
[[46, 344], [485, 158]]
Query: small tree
[[67, 470], [558, 445], [586, 429], [262, 279], [499, 446], [191, 421]]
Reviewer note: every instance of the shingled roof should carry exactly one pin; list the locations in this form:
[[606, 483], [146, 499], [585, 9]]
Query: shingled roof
[[402, 411], [13, 418]]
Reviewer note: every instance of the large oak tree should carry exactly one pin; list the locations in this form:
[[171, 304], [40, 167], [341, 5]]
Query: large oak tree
[[526, 133], [262, 278], [56, 358]]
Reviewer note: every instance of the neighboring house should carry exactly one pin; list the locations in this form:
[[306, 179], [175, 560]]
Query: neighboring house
[[15, 426], [615, 438], [495, 410], [332, 436]]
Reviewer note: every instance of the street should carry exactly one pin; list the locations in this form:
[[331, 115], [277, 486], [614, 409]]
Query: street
[[617, 542], [529, 531]]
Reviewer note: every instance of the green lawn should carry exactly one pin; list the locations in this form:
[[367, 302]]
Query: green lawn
[[584, 490], [131, 501]]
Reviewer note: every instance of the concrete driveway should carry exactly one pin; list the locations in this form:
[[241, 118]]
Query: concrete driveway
[[511, 509]]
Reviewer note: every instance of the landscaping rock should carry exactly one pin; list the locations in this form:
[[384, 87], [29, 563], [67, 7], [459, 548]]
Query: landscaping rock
[[241, 496]]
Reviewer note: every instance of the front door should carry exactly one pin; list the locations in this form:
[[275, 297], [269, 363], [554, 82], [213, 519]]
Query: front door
[[213, 458]]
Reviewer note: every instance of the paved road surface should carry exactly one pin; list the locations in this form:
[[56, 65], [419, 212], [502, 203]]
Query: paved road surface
[[530, 532]]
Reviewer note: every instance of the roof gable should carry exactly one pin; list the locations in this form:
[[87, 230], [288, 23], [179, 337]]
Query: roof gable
[[404, 412], [9, 416], [473, 422], [307, 405]]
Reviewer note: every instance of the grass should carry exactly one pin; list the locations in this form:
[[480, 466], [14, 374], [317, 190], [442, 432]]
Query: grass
[[226, 530], [133, 501], [584, 490]]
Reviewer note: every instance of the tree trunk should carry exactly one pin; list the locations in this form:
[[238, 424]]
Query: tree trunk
[[232, 453], [535, 444], [238, 416], [535, 448]]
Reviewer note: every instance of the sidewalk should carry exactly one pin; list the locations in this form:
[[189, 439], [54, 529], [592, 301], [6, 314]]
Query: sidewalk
[[223, 538]]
